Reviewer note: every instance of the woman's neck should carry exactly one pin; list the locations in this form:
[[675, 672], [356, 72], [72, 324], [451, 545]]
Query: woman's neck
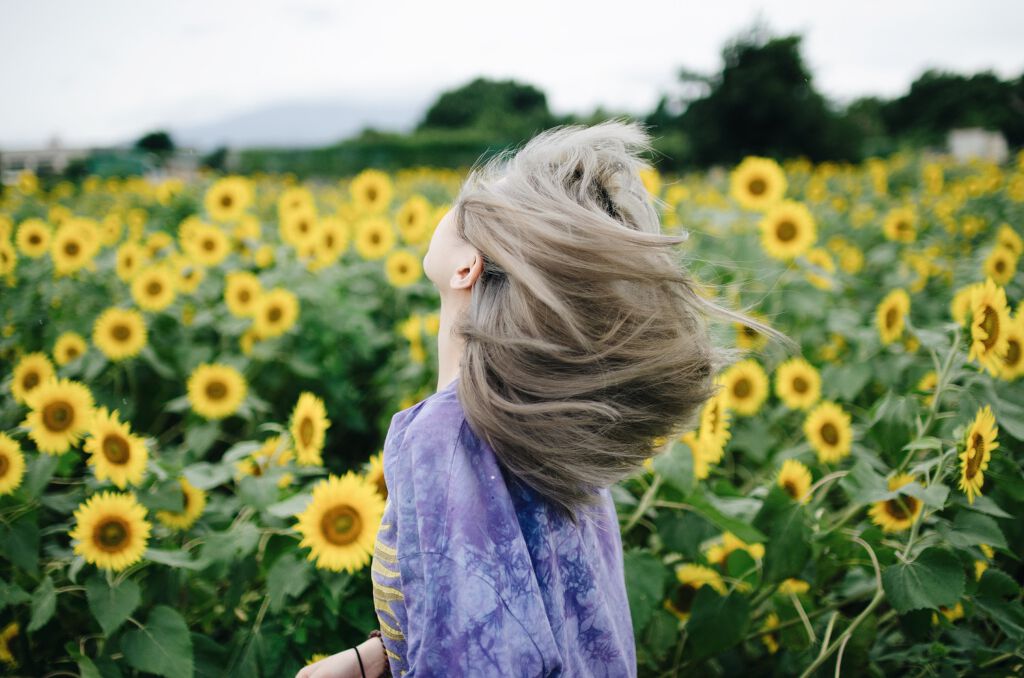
[[449, 347]]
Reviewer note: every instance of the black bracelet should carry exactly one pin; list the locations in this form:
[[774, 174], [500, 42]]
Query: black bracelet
[[360, 661]]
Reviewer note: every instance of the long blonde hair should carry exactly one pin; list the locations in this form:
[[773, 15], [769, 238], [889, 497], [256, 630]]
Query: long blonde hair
[[585, 338]]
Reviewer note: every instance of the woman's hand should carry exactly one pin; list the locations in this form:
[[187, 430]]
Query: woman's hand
[[345, 664]]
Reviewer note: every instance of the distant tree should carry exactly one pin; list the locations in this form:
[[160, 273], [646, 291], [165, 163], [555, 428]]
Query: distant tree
[[939, 101], [215, 159], [762, 102], [505, 108], [159, 143]]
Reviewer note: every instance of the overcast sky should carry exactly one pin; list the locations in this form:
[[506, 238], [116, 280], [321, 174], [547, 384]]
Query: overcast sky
[[101, 71]]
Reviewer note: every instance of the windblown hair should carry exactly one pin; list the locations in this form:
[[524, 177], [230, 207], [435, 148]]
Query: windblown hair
[[585, 338]]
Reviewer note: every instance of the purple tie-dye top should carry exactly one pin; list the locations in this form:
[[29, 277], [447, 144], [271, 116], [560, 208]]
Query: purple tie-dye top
[[475, 574]]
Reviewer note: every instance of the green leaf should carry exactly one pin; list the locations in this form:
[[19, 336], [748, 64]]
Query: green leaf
[[970, 528], [997, 599], [864, 485], [741, 565], [935, 578], [111, 606], [288, 577], [982, 504], [163, 495], [200, 437], [179, 404], [40, 469], [290, 506], [787, 548], [20, 541], [743, 530], [716, 623], [12, 594], [163, 646], [237, 542], [645, 586], [675, 465], [158, 365], [87, 669], [206, 476], [258, 491], [44, 603], [662, 633], [174, 559], [240, 451]]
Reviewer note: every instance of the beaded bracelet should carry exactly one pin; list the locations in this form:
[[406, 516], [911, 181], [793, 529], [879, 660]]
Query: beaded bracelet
[[387, 662]]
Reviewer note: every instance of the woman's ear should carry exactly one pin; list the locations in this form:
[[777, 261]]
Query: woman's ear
[[466, 275]]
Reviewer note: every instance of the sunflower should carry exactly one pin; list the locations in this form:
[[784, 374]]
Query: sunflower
[[188, 274], [153, 287], [111, 229], [749, 338], [12, 464], [1007, 238], [746, 386], [770, 640], [827, 428], [795, 479], [989, 340], [111, 530], [308, 426], [116, 454], [374, 238], [820, 259], [794, 586], [209, 245], [1001, 265], [691, 577], [8, 257], [950, 613], [960, 305], [68, 347], [413, 220], [216, 390], [1013, 362], [61, 413], [340, 523], [274, 452], [247, 232], [275, 312], [890, 315], [295, 199], [978, 444], [119, 333], [228, 198], [719, 551], [927, 385], [7, 636], [157, 242], [701, 459], [757, 183], [900, 512], [332, 240], [301, 230], [981, 565], [130, 259], [797, 383], [32, 370], [787, 230], [375, 474], [714, 430], [241, 292], [901, 224], [193, 503], [403, 268], [69, 251], [371, 191], [34, 238]]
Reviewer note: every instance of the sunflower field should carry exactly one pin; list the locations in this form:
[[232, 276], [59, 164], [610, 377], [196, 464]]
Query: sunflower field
[[197, 378]]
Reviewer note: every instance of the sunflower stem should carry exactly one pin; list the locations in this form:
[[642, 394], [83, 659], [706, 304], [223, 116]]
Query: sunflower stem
[[645, 503]]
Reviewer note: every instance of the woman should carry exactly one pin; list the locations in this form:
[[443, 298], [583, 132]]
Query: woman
[[570, 340]]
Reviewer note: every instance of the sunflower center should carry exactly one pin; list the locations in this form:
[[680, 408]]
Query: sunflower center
[[901, 508], [341, 525], [1000, 266], [244, 296], [34, 239], [829, 433], [891, 316], [30, 380], [902, 227], [306, 431], [371, 194], [785, 231], [209, 245], [111, 534], [71, 248], [216, 390], [58, 415], [115, 448], [374, 238], [682, 600], [381, 485], [274, 314], [800, 385], [1013, 354], [742, 388], [990, 323], [4, 465], [791, 488], [154, 288], [120, 332], [975, 455], [758, 186], [225, 200], [329, 239], [71, 352]]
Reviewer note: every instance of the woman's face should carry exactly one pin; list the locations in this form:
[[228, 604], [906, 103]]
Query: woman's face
[[451, 263]]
